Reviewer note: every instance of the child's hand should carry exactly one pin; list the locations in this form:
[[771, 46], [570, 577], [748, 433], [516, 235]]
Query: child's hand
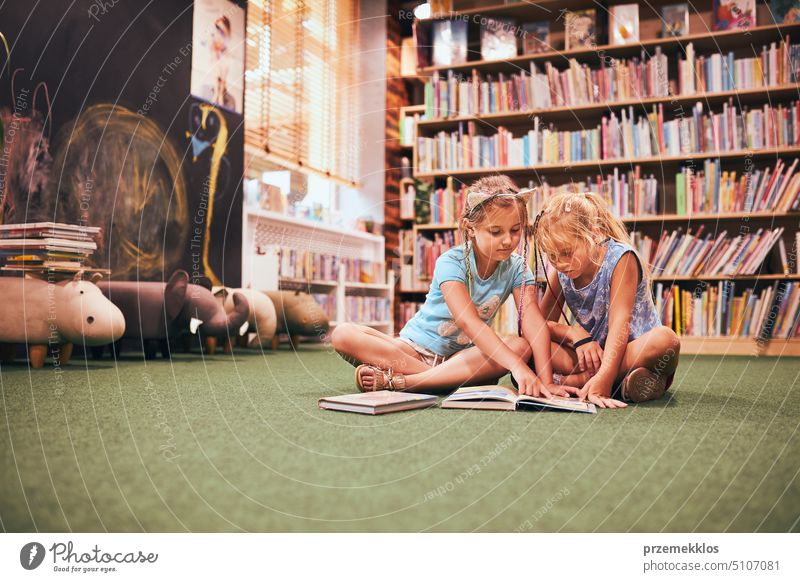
[[597, 390], [559, 390], [590, 356], [528, 383]]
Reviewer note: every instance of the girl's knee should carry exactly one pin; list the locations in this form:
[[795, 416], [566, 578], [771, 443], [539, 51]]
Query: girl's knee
[[342, 336], [669, 342]]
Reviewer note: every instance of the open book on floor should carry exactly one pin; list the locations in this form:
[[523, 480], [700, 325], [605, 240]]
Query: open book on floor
[[379, 402], [506, 398]]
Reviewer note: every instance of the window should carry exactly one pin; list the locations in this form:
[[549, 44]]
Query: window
[[301, 89]]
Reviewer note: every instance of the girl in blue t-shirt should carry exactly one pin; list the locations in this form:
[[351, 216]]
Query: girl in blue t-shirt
[[617, 350], [449, 342]]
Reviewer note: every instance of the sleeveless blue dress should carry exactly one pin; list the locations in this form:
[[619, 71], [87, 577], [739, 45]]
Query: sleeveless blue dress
[[590, 304]]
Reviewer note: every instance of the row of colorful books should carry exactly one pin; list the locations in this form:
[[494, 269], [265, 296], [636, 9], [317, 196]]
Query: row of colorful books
[[428, 250], [712, 190], [451, 95], [616, 137], [697, 191], [308, 265], [360, 308], [699, 253], [778, 64], [627, 193], [716, 310]]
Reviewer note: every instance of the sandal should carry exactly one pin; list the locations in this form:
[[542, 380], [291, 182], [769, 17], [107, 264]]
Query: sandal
[[384, 379], [641, 385]]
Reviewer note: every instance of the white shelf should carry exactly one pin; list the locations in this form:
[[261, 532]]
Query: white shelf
[[311, 225], [270, 231]]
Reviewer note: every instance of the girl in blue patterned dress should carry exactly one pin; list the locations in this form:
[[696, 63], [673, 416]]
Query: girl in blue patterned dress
[[617, 350]]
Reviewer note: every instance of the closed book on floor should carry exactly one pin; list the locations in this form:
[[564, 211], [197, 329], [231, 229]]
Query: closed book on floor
[[506, 398], [379, 402]]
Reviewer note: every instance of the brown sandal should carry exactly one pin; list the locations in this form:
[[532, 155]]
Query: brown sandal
[[384, 379]]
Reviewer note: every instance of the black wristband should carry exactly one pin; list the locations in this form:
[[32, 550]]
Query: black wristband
[[581, 342]]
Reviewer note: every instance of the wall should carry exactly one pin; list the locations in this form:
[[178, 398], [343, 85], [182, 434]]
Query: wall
[[122, 70]]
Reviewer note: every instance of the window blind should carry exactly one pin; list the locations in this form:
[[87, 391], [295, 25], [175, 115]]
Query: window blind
[[301, 90]]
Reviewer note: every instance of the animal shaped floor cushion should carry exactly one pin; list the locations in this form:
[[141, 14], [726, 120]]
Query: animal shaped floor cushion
[[62, 313], [155, 312], [299, 314], [262, 318]]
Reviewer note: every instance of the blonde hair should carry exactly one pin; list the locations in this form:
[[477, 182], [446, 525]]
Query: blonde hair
[[570, 217], [472, 217]]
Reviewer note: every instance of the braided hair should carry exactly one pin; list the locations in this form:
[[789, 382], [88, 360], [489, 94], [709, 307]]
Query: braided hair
[[495, 186]]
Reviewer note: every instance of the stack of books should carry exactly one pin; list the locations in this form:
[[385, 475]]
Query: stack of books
[[41, 247], [716, 311], [696, 254]]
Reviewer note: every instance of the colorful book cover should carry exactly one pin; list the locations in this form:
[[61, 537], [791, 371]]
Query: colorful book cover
[[498, 39], [675, 20], [733, 14], [449, 42], [581, 29], [536, 37], [624, 23]]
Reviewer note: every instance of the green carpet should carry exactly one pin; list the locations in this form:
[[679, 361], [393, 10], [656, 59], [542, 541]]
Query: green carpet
[[238, 444]]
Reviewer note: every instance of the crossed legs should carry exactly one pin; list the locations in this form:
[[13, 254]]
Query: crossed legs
[[657, 350], [360, 344]]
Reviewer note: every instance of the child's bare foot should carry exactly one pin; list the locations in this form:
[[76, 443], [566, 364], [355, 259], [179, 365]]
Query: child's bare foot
[[641, 385], [371, 378]]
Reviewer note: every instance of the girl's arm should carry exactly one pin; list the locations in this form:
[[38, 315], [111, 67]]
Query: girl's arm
[[589, 355], [553, 298], [467, 319], [534, 329], [624, 281]]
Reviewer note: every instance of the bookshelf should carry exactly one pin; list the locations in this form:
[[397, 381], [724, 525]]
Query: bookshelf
[[314, 246], [498, 122]]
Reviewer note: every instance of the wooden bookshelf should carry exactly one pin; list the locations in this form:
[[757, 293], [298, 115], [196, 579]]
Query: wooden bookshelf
[[744, 43], [612, 162], [703, 42], [738, 346], [642, 104], [722, 216]]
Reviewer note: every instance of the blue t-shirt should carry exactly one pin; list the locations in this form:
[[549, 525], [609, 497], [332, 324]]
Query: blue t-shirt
[[433, 327]]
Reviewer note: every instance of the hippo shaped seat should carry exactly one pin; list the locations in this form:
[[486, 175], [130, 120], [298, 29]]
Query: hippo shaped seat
[[156, 311], [40, 314]]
